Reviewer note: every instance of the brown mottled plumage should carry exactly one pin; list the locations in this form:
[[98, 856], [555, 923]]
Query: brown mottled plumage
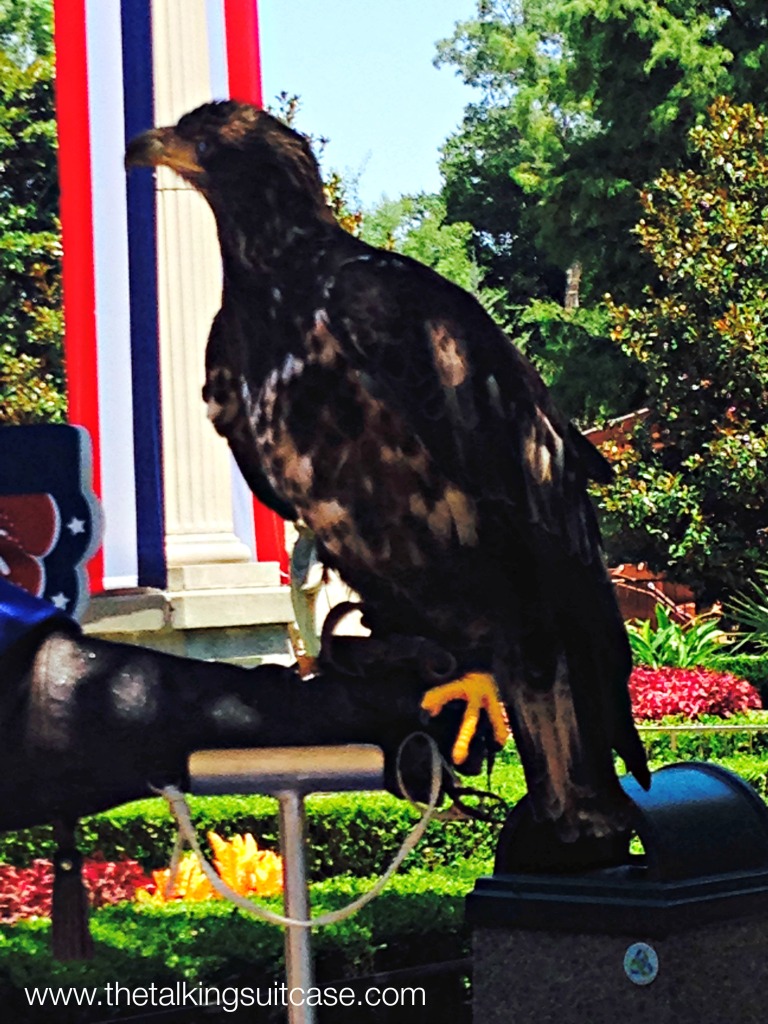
[[379, 403]]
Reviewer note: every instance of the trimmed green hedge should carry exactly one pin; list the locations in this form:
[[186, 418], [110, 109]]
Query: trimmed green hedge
[[350, 833], [752, 769], [358, 834], [707, 746], [418, 920]]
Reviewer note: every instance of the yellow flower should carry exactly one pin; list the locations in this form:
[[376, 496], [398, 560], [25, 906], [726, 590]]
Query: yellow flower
[[240, 864], [190, 884], [245, 868]]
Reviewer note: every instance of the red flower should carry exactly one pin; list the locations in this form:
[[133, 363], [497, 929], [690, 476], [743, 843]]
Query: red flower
[[692, 692], [27, 891], [29, 529]]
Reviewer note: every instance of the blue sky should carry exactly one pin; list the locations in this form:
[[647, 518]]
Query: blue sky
[[363, 70]]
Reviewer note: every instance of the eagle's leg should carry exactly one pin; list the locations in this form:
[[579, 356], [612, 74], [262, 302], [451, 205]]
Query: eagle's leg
[[479, 691], [571, 781]]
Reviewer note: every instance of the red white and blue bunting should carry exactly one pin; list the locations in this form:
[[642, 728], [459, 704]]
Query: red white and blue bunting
[[105, 96]]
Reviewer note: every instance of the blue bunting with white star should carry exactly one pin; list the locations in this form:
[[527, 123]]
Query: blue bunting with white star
[[50, 521], [20, 613]]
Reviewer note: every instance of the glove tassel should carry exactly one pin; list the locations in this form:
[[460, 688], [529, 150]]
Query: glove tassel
[[70, 931]]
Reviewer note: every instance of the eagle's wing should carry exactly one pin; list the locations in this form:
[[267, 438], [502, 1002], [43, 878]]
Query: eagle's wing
[[229, 404], [429, 350]]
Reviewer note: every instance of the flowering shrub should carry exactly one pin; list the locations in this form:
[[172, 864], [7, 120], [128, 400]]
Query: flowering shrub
[[692, 692], [27, 891], [112, 881], [239, 862]]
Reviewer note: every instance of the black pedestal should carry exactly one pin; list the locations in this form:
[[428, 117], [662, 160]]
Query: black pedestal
[[678, 935]]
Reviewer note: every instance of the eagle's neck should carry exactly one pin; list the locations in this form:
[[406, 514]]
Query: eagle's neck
[[271, 243], [281, 262], [275, 272]]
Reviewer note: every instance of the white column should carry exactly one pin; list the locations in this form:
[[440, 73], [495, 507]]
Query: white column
[[211, 577], [197, 474]]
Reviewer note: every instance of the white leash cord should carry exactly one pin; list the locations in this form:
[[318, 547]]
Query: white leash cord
[[186, 835]]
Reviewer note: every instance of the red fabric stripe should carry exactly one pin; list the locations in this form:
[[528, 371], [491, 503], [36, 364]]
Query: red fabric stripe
[[270, 537], [243, 61], [77, 234], [244, 69]]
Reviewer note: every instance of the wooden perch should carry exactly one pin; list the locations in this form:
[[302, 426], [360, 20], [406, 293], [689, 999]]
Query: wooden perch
[[86, 724]]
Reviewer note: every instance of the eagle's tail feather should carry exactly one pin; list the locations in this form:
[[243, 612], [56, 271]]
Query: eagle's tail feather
[[567, 784], [570, 710]]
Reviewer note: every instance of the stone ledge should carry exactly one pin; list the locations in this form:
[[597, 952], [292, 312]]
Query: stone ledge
[[252, 606], [140, 610], [244, 626], [116, 613], [230, 576]]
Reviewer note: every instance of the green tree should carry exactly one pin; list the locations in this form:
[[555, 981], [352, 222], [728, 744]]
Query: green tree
[[590, 99], [692, 492], [510, 142], [31, 327], [580, 103], [648, 71], [26, 30], [416, 226], [589, 378]]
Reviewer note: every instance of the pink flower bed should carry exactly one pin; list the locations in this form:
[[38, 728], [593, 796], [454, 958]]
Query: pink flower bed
[[692, 692], [27, 891]]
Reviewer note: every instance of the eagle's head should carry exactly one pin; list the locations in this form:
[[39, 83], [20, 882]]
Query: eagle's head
[[246, 162]]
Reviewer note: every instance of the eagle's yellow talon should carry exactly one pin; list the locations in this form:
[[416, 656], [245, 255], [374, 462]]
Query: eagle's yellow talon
[[479, 691]]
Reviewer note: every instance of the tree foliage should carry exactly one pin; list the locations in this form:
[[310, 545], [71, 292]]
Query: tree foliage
[[508, 143], [26, 30], [589, 378], [416, 226], [692, 494], [581, 103], [31, 325]]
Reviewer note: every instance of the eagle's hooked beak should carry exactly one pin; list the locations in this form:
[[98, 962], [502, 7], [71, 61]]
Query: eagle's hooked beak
[[163, 147]]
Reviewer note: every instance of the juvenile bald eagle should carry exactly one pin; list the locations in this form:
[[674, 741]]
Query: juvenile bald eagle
[[367, 396]]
